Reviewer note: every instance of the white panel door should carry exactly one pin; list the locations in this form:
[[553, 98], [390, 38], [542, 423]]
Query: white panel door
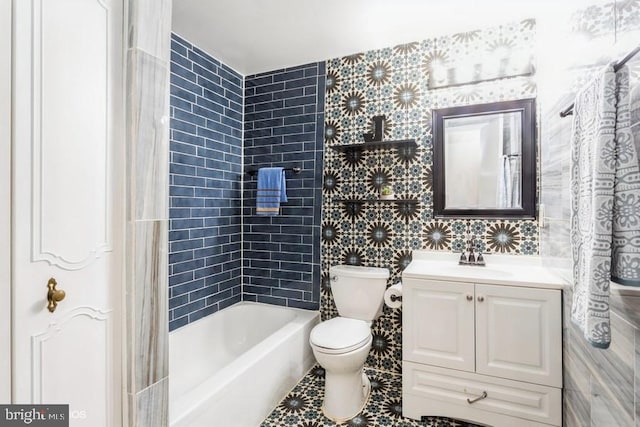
[[519, 334], [68, 193], [5, 200], [438, 323]]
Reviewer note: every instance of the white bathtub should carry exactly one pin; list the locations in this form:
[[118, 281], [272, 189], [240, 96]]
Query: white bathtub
[[231, 368]]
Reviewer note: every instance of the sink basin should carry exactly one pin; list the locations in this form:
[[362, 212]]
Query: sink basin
[[512, 270], [470, 270]]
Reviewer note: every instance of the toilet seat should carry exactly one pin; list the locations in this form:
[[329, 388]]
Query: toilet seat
[[340, 335]]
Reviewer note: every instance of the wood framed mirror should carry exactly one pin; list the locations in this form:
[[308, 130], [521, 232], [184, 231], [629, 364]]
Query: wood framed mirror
[[484, 160]]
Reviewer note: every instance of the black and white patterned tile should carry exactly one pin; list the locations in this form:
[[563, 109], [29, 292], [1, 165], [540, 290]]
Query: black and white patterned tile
[[302, 406], [394, 82]]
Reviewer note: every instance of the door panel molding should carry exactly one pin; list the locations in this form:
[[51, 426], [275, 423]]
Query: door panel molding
[[83, 333], [57, 96]]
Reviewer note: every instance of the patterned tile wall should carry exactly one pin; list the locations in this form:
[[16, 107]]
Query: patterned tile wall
[[395, 82], [205, 184], [600, 386], [284, 117]]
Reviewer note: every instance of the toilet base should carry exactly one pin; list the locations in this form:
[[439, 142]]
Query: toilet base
[[345, 395]]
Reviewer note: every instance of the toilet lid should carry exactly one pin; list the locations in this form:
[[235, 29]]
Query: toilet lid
[[340, 333]]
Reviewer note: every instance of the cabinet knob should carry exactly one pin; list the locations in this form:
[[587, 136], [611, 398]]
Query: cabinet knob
[[469, 297], [480, 298]]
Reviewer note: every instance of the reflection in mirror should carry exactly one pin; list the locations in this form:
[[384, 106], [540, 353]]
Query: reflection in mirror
[[484, 159], [482, 155]]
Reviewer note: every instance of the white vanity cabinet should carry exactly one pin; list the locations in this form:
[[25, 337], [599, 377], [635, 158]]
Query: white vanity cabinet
[[482, 352], [438, 323], [519, 333]]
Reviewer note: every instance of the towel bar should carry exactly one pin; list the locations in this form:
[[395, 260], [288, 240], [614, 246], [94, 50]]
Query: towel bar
[[569, 110], [254, 172]]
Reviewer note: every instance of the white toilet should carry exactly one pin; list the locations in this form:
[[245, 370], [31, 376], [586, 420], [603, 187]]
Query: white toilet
[[341, 344]]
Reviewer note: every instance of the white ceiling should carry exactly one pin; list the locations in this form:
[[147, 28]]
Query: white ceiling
[[253, 36]]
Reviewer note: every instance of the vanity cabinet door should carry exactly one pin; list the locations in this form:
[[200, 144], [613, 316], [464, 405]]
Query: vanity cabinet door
[[438, 322], [519, 333]]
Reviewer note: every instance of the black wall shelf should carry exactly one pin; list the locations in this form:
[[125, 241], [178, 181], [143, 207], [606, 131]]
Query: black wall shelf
[[405, 148], [375, 145], [362, 201]]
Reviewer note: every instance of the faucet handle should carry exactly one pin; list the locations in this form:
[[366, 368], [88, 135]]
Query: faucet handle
[[463, 258], [480, 259]]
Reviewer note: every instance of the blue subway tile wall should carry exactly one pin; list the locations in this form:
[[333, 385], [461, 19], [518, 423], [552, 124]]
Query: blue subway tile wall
[[284, 120], [205, 235]]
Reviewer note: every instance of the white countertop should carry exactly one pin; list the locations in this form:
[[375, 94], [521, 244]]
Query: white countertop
[[512, 270]]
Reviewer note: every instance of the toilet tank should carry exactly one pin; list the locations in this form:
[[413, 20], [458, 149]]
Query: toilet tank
[[358, 291]]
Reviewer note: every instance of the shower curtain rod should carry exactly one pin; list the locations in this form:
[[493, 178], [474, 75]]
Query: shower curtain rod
[[569, 110]]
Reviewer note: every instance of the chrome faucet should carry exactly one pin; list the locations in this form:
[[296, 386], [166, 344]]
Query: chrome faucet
[[469, 258]]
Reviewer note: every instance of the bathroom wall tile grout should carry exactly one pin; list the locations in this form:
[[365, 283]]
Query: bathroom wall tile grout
[[196, 76], [242, 190], [206, 156], [281, 117]]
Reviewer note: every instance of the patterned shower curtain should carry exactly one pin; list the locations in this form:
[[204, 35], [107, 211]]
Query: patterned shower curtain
[[605, 201]]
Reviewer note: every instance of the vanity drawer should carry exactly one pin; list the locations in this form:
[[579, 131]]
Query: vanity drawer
[[433, 391]]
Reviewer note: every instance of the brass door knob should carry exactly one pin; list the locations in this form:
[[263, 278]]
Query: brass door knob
[[54, 296]]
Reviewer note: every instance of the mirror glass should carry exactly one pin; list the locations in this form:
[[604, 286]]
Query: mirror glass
[[484, 160]]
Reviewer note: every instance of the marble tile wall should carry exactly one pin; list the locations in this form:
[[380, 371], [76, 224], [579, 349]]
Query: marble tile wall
[[147, 133], [600, 386]]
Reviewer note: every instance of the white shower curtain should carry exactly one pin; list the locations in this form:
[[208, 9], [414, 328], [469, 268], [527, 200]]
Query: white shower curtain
[[509, 182], [505, 190]]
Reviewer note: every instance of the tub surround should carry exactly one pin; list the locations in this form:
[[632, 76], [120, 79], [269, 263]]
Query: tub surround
[[281, 114], [283, 125], [249, 353], [148, 28], [205, 184]]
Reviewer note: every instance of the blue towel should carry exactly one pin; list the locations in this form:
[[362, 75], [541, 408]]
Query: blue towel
[[272, 190]]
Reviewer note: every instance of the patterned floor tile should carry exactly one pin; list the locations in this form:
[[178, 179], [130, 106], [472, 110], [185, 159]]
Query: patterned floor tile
[[302, 407]]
